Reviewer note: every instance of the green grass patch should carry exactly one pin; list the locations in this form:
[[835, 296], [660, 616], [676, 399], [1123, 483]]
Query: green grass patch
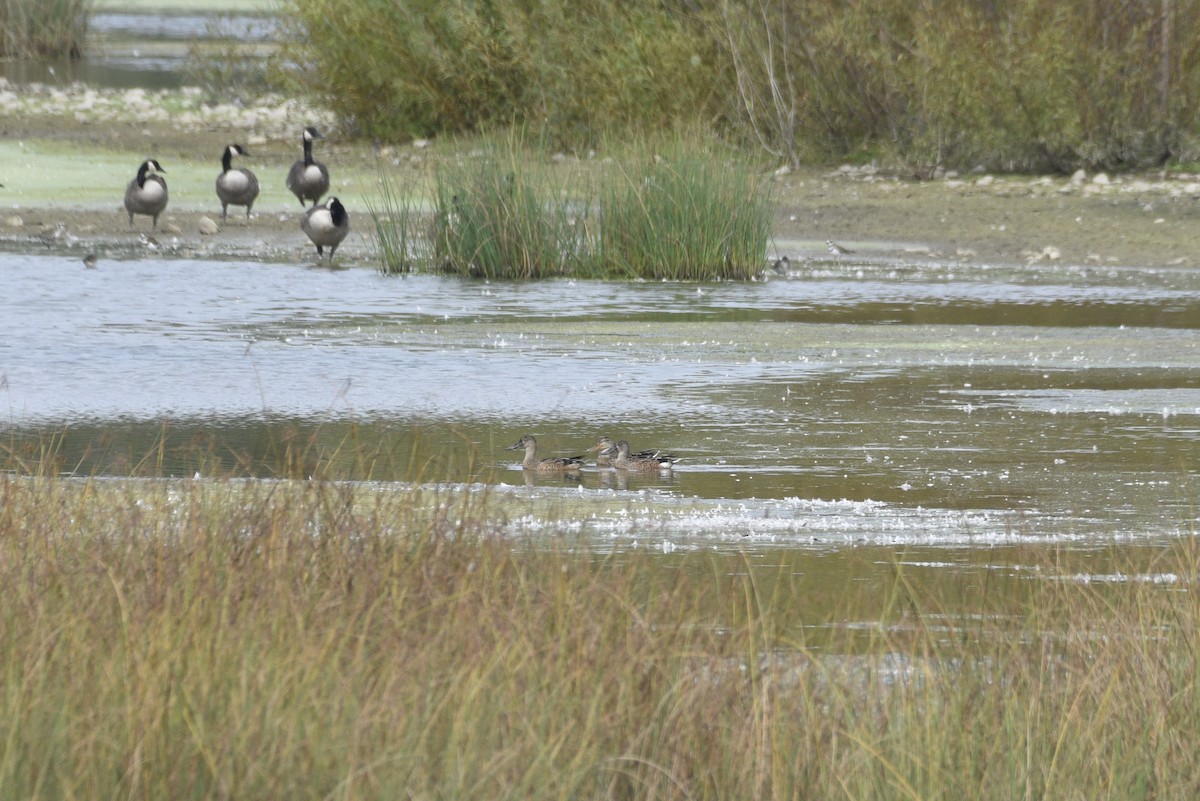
[[678, 212], [399, 230], [501, 215], [682, 214], [317, 640]]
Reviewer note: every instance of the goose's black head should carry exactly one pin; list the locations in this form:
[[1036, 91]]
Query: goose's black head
[[311, 133], [230, 152], [147, 165], [337, 212]]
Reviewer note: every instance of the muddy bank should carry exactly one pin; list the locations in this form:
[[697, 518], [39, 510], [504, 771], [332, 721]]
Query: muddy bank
[[51, 202]]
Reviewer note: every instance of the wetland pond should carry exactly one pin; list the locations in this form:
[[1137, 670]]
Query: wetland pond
[[948, 412]]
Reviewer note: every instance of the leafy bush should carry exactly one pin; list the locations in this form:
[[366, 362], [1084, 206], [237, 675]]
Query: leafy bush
[[1012, 84], [1016, 84], [422, 67]]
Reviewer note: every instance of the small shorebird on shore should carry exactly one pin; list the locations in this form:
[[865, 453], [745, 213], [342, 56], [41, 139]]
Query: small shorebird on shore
[[836, 250]]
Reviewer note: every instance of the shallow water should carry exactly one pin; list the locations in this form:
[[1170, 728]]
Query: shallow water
[[128, 49], [912, 403]]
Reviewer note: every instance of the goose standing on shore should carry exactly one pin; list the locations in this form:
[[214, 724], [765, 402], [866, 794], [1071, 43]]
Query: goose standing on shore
[[308, 179], [147, 193], [236, 186], [326, 225]]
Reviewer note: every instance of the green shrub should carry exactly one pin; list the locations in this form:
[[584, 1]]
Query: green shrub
[[423, 67], [43, 28], [1013, 84], [1017, 84]]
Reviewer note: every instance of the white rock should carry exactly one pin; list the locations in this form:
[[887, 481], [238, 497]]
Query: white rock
[[985, 181], [1079, 177], [14, 221], [1100, 179], [207, 226]]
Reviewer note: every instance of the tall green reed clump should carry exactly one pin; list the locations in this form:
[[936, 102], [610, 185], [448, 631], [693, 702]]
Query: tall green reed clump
[[689, 212], [43, 28], [400, 232], [316, 640], [683, 214], [500, 216]]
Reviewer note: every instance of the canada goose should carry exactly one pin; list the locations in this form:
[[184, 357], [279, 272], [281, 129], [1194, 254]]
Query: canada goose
[[236, 186], [326, 225], [89, 261], [147, 194], [308, 179]]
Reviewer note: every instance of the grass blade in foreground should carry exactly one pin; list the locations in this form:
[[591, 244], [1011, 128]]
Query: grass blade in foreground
[[319, 640]]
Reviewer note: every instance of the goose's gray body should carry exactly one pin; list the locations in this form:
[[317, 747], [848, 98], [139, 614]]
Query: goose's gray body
[[236, 186], [308, 179], [147, 193], [326, 225]]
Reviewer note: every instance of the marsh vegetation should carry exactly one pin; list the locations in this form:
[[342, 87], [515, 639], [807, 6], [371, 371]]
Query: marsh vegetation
[[317, 640], [683, 209], [1014, 85]]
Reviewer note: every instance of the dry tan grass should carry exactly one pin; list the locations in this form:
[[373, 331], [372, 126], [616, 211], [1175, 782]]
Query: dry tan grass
[[210, 639]]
